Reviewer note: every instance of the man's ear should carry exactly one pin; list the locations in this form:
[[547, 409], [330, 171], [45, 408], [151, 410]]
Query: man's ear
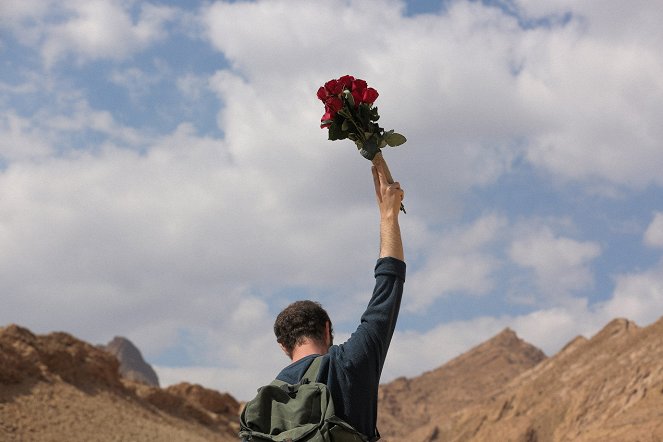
[[330, 338]]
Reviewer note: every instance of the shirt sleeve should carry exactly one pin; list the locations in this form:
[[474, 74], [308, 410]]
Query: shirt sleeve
[[355, 366], [379, 320]]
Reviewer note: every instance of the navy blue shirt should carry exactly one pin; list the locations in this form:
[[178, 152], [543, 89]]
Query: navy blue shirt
[[352, 370]]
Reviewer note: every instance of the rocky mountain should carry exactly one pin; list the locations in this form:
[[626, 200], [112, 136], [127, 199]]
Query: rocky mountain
[[415, 409], [55, 387], [132, 365], [607, 388]]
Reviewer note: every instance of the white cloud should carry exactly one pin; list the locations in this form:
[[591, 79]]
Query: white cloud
[[552, 328], [192, 86], [560, 265], [25, 18], [136, 81], [600, 95], [239, 352], [104, 30], [61, 129], [300, 33], [19, 139], [242, 383], [612, 20], [654, 233], [638, 296], [469, 260], [425, 96], [457, 261], [411, 353]]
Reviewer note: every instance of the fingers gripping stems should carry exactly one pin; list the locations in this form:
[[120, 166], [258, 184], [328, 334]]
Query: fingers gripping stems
[[384, 175]]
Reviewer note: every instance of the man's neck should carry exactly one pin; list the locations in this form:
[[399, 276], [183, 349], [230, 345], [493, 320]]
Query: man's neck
[[306, 349]]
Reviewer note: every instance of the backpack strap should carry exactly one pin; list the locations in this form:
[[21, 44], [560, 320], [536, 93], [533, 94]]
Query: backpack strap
[[311, 373]]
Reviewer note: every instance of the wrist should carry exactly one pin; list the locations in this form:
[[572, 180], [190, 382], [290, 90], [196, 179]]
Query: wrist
[[389, 217]]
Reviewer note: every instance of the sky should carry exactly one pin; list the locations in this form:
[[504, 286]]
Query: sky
[[163, 175]]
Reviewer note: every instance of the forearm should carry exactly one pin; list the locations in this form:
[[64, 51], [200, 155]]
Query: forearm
[[391, 243], [389, 197]]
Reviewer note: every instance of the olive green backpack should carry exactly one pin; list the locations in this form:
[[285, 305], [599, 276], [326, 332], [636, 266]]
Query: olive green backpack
[[295, 413]]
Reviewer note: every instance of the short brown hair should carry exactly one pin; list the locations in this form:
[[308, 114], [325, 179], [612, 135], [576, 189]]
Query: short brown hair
[[299, 320]]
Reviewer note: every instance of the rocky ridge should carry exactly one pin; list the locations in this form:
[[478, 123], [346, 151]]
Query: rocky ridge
[[55, 387], [414, 409], [607, 388]]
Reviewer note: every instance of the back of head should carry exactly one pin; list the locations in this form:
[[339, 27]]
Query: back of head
[[301, 320]]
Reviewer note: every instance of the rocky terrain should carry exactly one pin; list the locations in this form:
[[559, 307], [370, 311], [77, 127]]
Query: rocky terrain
[[413, 409], [607, 388], [57, 388]]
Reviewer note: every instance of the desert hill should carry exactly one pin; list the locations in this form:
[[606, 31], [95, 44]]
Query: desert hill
[[607, 388], [57, 388], [413, 409]]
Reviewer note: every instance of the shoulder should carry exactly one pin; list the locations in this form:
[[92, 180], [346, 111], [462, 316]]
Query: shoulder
[[293, 373]]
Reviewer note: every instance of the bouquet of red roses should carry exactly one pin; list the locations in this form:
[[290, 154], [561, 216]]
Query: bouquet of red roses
[[349, 113]]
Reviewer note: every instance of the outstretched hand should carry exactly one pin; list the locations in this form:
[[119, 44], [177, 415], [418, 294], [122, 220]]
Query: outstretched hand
[[389, 194]]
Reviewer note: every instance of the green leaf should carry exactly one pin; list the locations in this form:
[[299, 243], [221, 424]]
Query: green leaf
[[345, 126], [374, 114], [336, 133], [394, 139]]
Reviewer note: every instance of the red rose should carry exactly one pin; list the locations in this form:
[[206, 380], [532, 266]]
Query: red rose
[[370, 95], [326, 120], [346, 82], [358, 85], [334, 87], [358, 88], [322, 93], [333, 104]]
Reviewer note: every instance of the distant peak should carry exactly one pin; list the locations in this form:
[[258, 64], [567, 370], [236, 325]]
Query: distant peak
[[508, 332], [506, 336], [506, 342], [16, 330], [132, 364], [617, 327], [119, 341]]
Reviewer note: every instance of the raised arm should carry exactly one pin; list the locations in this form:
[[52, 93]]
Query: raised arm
[[389, 197]]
